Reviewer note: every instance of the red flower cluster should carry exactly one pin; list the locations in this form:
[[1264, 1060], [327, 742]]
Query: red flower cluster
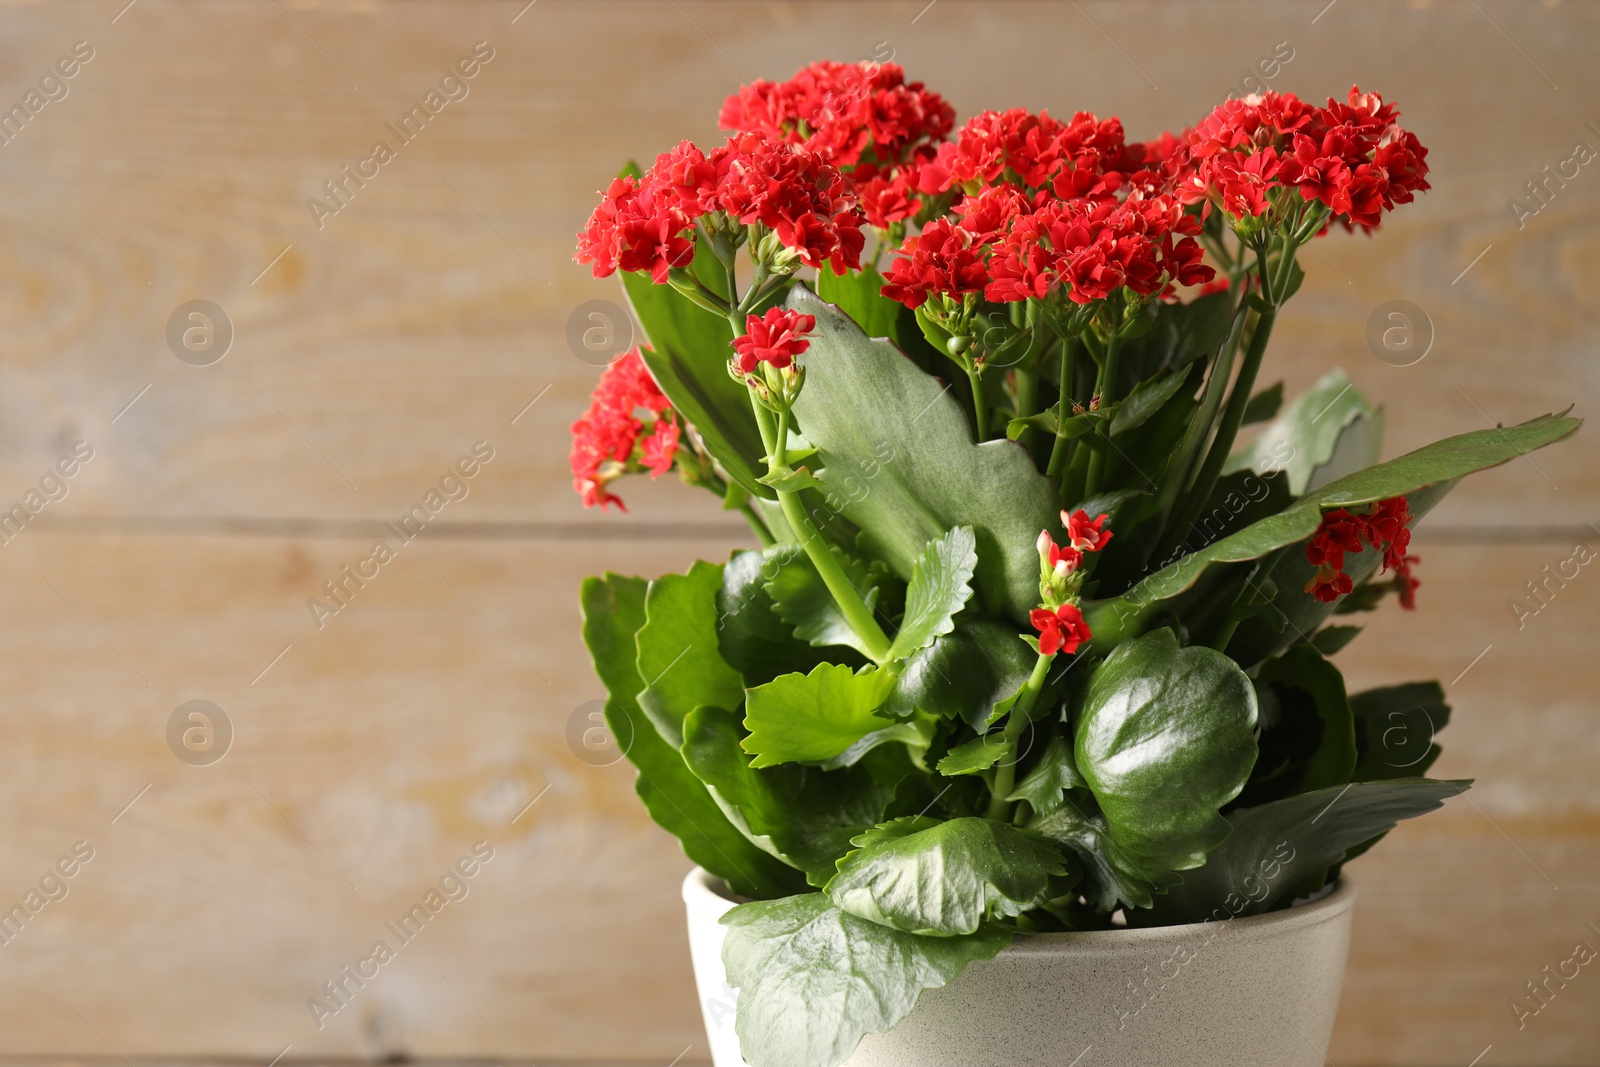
[[1354, 157], [1011, 248], [1083, 157], [1383, 525], [611, 439], [1061, 630], [791, 189], [775, 338], [861, 117]]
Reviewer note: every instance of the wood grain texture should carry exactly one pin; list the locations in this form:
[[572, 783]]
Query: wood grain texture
[[428, 313]]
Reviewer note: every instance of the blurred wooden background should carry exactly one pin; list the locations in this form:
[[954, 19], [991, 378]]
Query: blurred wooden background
[[427, 314]]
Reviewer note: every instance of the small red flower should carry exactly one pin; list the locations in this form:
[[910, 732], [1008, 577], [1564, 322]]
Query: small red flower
[[1405, 583], [1329, 584], [1384, 525], [611, 439], [1053, 555], [1340, 532], [1086, 534], [1061, 630], [775, 338]]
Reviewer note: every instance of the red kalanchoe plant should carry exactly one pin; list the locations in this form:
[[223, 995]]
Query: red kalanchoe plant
[[1065, 339]]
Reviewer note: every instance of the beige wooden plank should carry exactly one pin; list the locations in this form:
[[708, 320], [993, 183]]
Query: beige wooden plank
[[411, 726], [412, 325]]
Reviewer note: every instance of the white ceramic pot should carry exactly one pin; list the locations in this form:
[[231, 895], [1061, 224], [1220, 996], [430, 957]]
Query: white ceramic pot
[[1252, 992]]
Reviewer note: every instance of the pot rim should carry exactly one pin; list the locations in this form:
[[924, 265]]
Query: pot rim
[[703, 891]]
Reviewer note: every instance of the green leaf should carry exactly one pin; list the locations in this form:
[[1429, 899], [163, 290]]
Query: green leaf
[[816, 716], [1308, 734], [1275, 846], [679, 660], [1118, 618], [1044, 787], [613, 612], [802, 815], [1332, 639], [790, 479], [938, 589], [892, 431], [965, 674], [1146, 399], [803, 600], [1111, 877], [813, 980], [859, 295], [1264, 405], [751, 637], [944, 879], [1308, 433], [974, 756], [1165, 738], [1396, 727]]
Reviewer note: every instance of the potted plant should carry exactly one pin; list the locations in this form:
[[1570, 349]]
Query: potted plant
[[1018, 735]]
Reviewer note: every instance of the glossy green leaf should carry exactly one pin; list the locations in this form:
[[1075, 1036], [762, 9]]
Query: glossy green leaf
[[1045, 785], [1308, 735], [1111, 877], [1165, 738], [803, 600], [613, 612], [679, 660], [965, 673], [1118, 618], [939, 587], [813, 980], [802, 815], [858, 294], [816, 716], [1146, 399], [1396, 729], [944, 879], [891, 430], [1275, 846]]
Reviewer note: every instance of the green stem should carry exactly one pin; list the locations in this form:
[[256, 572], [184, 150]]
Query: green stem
[[1005, 772], [757, 526], [980, 410], [1105, 386], [1058, 451]]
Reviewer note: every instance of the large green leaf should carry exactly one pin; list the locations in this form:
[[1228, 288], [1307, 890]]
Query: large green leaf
[[814, 717], [900, 462], [1165, 738], [613, 612], [1396, 728], [802, 815], [1111, 877], [1119, 618], [938, 589], [813, 980], [803, 600], [1308, 734], [688, 357], [1146, 399], [1275, 846], [679, 660], [965, 673], [944, 879], [1318, 428]]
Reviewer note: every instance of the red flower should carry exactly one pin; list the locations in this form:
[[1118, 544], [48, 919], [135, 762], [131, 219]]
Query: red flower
[[1061, 630], [775, 338], [1053, 555], [941, 259], [1340, 532], [1086, 534], [1405, 583], [1329, 584], [611, 440]]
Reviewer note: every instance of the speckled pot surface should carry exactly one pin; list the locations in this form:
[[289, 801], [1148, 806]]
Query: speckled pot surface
[[1253, 992]]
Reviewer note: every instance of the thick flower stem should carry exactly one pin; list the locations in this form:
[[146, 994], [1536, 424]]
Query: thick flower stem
[[1058, 451], [1005, 772], [980, 410], [1104, 387]]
